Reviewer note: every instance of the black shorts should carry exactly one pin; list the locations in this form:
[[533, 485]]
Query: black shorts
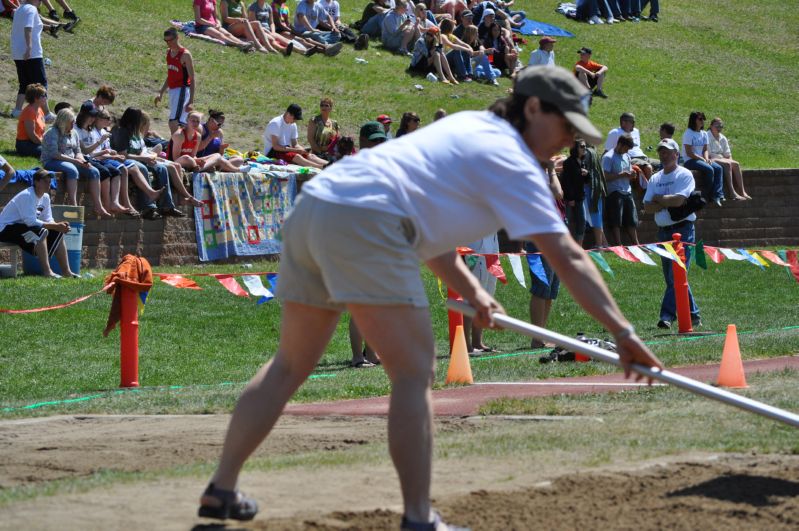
[[591, 80], [15, 233], [30, 71], [620, 210]]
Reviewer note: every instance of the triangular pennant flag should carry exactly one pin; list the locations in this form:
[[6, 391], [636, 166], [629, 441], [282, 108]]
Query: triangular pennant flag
[[713, 253], [179, 281], [657, 250], [641, 255], [600, 261], [272, 278], [732, 255], [471, 260], [464, 250], [495, 267], [749, 258], [773, 257], [257, 289], [791, 258], [670, 249], [231, 285], [516, 266], [537, 268], [623, 253], [141, 301], [782, 253], [760, 259], [699, 251]]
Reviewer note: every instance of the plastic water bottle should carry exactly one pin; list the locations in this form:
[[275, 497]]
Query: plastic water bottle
[[361, 61], [418, 87], [431, 77]]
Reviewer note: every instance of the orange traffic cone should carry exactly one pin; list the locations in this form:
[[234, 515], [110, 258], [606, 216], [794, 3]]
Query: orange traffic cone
[[731, 372], [460, 371]]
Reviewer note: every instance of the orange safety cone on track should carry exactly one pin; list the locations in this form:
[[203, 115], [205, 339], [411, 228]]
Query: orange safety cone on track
[[731, 372], [460, 371]]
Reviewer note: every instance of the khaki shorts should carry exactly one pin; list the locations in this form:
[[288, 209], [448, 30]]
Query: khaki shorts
[[338, 254]]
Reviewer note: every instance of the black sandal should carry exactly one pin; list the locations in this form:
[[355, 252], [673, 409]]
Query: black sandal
[[231, 507]]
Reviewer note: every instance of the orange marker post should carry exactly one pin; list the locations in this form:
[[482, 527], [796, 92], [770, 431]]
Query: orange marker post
[[455, 318], [129, 337], [680, 276]]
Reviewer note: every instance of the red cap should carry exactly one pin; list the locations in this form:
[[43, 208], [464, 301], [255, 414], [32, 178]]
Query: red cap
[[545, 40], [384, 119]]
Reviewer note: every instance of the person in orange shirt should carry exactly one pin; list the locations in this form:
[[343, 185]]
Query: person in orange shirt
[[590, 73], [31, 124]]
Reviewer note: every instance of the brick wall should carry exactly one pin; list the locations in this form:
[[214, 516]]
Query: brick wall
[[769, 219]]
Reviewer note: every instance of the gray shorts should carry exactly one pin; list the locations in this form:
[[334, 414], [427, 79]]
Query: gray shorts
[[337, 254]]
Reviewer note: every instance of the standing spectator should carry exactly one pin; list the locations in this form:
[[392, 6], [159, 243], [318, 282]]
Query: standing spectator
[[322, 129], [26, 51], [720, 152], [595, 193], [61, 152], [544, 55], [697, 157], [574, 177], [408, 123], [620, 207], [27, 221], [668, 188], [280, 140], [654, 9], [397, 30], [637, 155], [590, 73], [179, 80], [31, 123], [386, 121], [206, 23]]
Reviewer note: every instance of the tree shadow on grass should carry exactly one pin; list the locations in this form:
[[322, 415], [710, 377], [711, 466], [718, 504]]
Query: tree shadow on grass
[[758, 491]]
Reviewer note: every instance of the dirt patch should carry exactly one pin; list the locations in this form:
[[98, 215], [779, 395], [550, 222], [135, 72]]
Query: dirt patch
[[697, 491]]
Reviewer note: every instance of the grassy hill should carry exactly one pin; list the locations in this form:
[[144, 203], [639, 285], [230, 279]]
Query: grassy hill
[[733, 58]]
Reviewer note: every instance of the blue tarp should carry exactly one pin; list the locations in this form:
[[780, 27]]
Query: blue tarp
[[533, 27]]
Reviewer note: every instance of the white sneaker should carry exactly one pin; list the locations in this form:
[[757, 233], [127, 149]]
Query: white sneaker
[[495, 82], [595, 20], [49, 118], [15, 113], [611, 20]]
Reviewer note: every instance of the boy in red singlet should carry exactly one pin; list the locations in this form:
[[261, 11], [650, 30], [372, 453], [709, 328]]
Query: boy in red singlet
[[179, 80]]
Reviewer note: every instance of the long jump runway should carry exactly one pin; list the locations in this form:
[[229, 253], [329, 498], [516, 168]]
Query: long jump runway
[[465, 401]]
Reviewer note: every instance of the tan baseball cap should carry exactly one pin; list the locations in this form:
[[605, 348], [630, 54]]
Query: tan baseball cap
[[560, 88]]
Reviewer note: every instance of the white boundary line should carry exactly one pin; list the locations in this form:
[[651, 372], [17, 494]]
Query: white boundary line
[[576, 384]]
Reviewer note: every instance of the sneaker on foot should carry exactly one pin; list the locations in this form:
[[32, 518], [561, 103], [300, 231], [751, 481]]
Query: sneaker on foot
[[653, 18], [696, 321], [71, 15], [664, 324], [611, 20], [53, 15], [333, 49], [362, 42], [595, 20], [70, 26], [601, 94], [310, 51], [495, 82], [289, 49]]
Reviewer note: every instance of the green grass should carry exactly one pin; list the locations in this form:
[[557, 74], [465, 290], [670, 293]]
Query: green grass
[[199, 347], [733, 58]]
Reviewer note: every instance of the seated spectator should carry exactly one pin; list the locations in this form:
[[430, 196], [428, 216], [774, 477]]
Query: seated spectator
[[397, 30], [61, 153], [281, 20], [8, 7], [422, 19], [574, 178], [450, 9], [212, 138], [69, 13], [371, 22], [280, 140], [636, 154], [261, 13], [107, 164], [515, 17], [666, 130], [127, 139], [131, 172], [174, 171], [104, 97], [183, 151], [498, 47], [322, 129], [720, 152], [429, 57], [386, 121], [466, 20], [7, 173], [206, 23], [697, 157], [27, 221], [485, 9], [620, 205], [590, 73], [459, 54], [485, 21], [340, 147], [306, 22], [544, 55], [236, 22], [334, 11], [30, 124], [482, 68], [439, 114], [408, 123]]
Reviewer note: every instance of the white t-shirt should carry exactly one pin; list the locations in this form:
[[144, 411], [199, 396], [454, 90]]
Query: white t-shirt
[[28, 209], [87, 138], [678, 182], [541, 57], [332, 8], [26, 16], [451, 180], [284, 132], [314, 13], [613, 138], [695, 139]]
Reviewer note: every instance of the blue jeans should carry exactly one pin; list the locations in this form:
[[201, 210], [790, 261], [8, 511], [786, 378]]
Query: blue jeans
[[712, 173], [162, 180], [460, 62], [668, 308], [484, 70], [72, 171], [324, 37], [654, 10], [630, 8], [26, 148], [374, 26]]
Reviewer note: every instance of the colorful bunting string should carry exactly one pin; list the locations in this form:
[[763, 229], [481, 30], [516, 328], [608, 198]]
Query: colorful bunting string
[[601, 262]]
